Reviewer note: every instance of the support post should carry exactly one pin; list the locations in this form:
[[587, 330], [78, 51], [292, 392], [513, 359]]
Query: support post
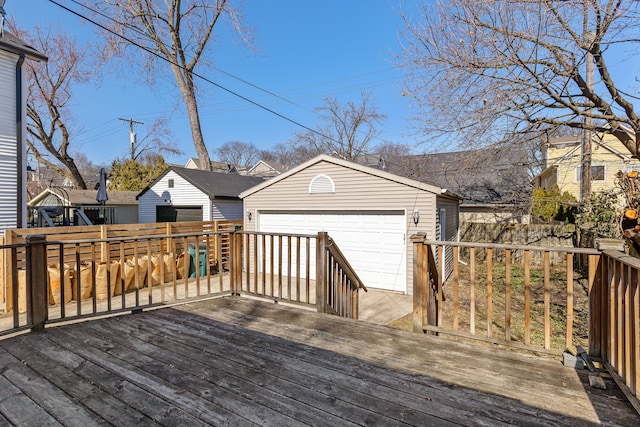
[[233, 261], [37, 295], [419, 283], [595, 305], [321, 272]]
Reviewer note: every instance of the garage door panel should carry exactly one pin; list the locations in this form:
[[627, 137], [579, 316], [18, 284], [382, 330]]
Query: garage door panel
[[373, 243]]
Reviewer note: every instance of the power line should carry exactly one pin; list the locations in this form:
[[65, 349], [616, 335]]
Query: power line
[[195, 73]]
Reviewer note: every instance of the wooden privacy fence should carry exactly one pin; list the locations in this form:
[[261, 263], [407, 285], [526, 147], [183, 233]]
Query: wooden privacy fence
[[63, 280], [533, 305]]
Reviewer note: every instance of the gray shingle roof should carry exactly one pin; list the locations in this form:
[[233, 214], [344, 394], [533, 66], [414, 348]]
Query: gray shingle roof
[[11, 43], [485, 176], [214, 184]]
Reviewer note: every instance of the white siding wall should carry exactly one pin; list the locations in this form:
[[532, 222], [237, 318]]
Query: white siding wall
[[354, 190], [8, 142], [183, 193]]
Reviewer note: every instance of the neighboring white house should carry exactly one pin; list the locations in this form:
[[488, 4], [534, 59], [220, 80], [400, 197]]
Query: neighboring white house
[[370, 213], [13, 165], [182, 194]]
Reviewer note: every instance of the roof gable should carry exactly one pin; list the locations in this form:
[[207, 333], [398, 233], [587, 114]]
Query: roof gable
[[350, 165]]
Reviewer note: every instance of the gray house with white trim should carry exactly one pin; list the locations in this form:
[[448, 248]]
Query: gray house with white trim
[[370, 213], [183, 194]]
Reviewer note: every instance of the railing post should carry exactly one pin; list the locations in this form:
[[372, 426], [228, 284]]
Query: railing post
[[235, 261], [595, 304], [321, 272], [37, 280], [420, 291]]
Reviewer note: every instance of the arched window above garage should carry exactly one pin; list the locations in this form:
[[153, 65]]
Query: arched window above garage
[[322, 184]]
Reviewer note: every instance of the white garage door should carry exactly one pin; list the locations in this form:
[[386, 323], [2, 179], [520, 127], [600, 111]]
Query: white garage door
[[373, 242]]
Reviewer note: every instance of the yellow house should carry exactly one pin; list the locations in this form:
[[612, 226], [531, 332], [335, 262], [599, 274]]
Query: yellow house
[[563, 156]]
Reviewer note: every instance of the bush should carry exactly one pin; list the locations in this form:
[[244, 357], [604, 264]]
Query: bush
[[600, 216], [550, 205]]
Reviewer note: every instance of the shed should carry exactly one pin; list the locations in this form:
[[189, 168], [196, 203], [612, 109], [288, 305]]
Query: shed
[[13, 189], [370, 213], [183, 194]]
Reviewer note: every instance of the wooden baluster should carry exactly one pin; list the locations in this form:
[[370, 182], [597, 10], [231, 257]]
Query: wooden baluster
[[507, 295], [569, 329]]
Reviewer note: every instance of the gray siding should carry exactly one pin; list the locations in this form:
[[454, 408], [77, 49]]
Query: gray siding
[[183, 193], [226, 209], [8, 142], [354, 190], [452, 225]]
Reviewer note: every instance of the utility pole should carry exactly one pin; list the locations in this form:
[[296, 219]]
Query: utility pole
[[585, 176], [132, 135]]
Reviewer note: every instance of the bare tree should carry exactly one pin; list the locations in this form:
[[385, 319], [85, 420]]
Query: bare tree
[[49, 91], [238, 153], [175, 35], [484, 68], [157, 142], [347, 130], [287, 155]]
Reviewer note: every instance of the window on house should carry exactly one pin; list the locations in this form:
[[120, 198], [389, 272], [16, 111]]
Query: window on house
[[597, 173], [321, 184], [171, 183]]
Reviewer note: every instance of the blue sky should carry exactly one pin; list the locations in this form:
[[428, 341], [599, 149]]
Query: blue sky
[[307, 50]]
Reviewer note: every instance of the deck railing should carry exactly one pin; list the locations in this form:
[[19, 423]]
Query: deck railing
[[61, 280], [615, 313], [496, 294], [299, 269], [338, 283]]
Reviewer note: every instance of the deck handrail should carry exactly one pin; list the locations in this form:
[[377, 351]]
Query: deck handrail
[[79, 277], [611, 301], [560, 249], [429, 301], [615, 311], [350, 272], [291, 277]]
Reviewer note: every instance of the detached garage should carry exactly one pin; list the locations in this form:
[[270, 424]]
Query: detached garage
[[368, 212], [181, 194]]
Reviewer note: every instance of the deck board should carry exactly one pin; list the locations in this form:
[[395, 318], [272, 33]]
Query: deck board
[[238, 361]]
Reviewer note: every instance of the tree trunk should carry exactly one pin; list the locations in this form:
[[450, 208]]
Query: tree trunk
[[184, 78]]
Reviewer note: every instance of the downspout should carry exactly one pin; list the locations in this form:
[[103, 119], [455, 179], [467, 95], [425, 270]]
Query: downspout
[[19, 142]]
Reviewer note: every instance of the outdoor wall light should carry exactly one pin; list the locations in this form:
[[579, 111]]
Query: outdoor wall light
[[416, 216], [167, 201], [249, 215]]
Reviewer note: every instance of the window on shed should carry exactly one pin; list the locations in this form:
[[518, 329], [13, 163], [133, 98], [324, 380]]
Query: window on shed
[[171, 183], [321, 184]]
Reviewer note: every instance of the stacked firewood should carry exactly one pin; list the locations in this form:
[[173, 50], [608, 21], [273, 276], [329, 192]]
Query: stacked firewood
[[630, 184]]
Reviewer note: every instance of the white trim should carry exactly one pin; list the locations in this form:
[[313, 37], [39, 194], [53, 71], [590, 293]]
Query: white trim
[[578, 175], [322, 184]]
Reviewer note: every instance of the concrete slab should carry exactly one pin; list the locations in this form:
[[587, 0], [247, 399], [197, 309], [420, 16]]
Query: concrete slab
[[382, 307]]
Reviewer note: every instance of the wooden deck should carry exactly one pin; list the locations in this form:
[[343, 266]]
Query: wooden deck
[[237, 361]]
